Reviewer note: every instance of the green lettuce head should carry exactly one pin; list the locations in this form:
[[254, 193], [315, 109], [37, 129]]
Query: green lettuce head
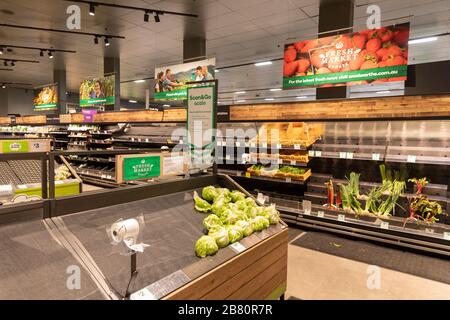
[[241, 205], [250, 202], [219, 204], [224, 192], [209, 193], [246, 227], [220, 235], [200, 204], [211, 221], [252, 212], [229, 218], [272, 214], [260, 223], [237, 195], [206, 246], [235, 233]]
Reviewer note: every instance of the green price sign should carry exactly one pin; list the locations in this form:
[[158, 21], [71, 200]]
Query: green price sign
[[14, 146], [141, 168]]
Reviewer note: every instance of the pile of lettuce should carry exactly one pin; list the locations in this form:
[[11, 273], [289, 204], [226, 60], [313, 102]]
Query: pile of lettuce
[[231, 217]]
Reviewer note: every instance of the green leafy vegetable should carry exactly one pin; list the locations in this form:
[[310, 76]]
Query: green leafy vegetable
[[219, 204], [237, 195], [211, 221], [250, 202], [235, 233], [291, 170], [246, 227], [206, 246], [209, 193], [220, 235], [200, 204], [260, 223], [272, 214]]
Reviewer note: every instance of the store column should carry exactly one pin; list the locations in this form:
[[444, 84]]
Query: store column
[[334, 14], [112, 65], [194, 48], [59, 77]]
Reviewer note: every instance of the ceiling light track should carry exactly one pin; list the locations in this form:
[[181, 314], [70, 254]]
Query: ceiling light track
[[12, 62], [147, 12], [6, 46]]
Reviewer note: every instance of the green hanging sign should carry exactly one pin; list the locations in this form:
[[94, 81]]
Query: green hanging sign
[[138, 168]]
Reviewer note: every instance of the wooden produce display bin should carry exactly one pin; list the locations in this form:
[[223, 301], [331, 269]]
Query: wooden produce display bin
[[147, 166], [258, 273], [297, 177]]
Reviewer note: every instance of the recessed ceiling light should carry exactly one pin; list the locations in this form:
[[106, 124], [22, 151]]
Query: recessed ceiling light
[[240, 101], [216, 70], [132, 101], [263, 63], [91, 9], [139, 81], [166, 105], [302, 97], [276, 89], [269, 99], [423, 40], [383, 92], [240, 92], [107, 42]]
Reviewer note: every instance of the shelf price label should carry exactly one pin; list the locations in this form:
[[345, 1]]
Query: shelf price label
[[248, 175], [297, 147], [321, 214], [411, 159], [349, 155], [278, 146], [341, 217], [238, 144], [384, 225], [264, 145], [318, 153], [293, 162], [375, 156], [227, 157], [289, 180], [237, 247], [306, 204], [447, 236], [143, 294], [343, 155], [311, 153], [253, 145], [238, 173]]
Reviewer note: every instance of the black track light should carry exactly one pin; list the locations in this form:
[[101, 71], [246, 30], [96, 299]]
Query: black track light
[[96, 40], [1, 50], [5, 63], [3, 86], [50, 54], [41, 53], [13, 63], [107, 42], [156, 15], [91, 9], [146, 16]]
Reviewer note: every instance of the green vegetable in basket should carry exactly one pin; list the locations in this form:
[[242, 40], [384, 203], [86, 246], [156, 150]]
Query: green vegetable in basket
[[241, 205], [219, 204], [225, 193], [211, 221], [229, 218], [209, 193], [272, 214], [220, 234], [252, 212], [206, 246], [200, 204], [235, 233], [250, 202], [260, 223], [246, 227], [236, 196]]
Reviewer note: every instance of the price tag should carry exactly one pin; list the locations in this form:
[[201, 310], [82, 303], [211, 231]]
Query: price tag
[[280, 161], [278, 146], [311, 153], [321, 214], [349, 155], [59, 182], [447, 235], [238, 144], [146, 140], [261, 198], [428, 230], [246, 144], [411, 159], [288, 180], [109, 177], [253, 145], [238, 173], [237, 247], [143, 294], [306, 204], [318, 154], [293, 162], [341, 217], [139, 140], [103, 176], [132, 139], [264, 145], [248, 175], [22, 186], [106, 132], [297, 147], [343, 155], [375, 156], [384, 225], [227, 157]]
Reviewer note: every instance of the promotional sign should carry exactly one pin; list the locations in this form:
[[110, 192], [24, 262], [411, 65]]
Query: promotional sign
[[22, 146], [370, 56], [88, 115], [200, 124], [171, 80], [97, 92], [46, 98], [145, 167]]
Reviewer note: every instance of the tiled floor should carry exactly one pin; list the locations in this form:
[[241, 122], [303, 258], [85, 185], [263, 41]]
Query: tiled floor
[[315, 275]]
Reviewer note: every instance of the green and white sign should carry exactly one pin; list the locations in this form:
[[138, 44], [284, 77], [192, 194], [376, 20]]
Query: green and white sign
[[138, 168], [21, 146], [14, 146], [200, 123]]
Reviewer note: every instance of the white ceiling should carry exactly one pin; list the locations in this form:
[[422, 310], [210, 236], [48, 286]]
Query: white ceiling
[[237, 31]]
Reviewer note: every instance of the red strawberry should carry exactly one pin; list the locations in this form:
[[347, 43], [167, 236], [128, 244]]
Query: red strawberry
[[303, 65], [381, 53], [356, 63], [369, 64], [300, 74], [359, 40], [346, 68], [394, 61], [373, 45], [290, 54], [343, 42], [290, 68], [309, 44], [299, 45], [386, 35], [401, 37], [394, 50], [323, 70]]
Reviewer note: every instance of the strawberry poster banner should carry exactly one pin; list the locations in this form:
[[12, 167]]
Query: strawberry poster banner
[[370, 56]]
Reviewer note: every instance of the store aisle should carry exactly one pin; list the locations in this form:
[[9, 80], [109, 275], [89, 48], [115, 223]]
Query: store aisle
[[317, 275]]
